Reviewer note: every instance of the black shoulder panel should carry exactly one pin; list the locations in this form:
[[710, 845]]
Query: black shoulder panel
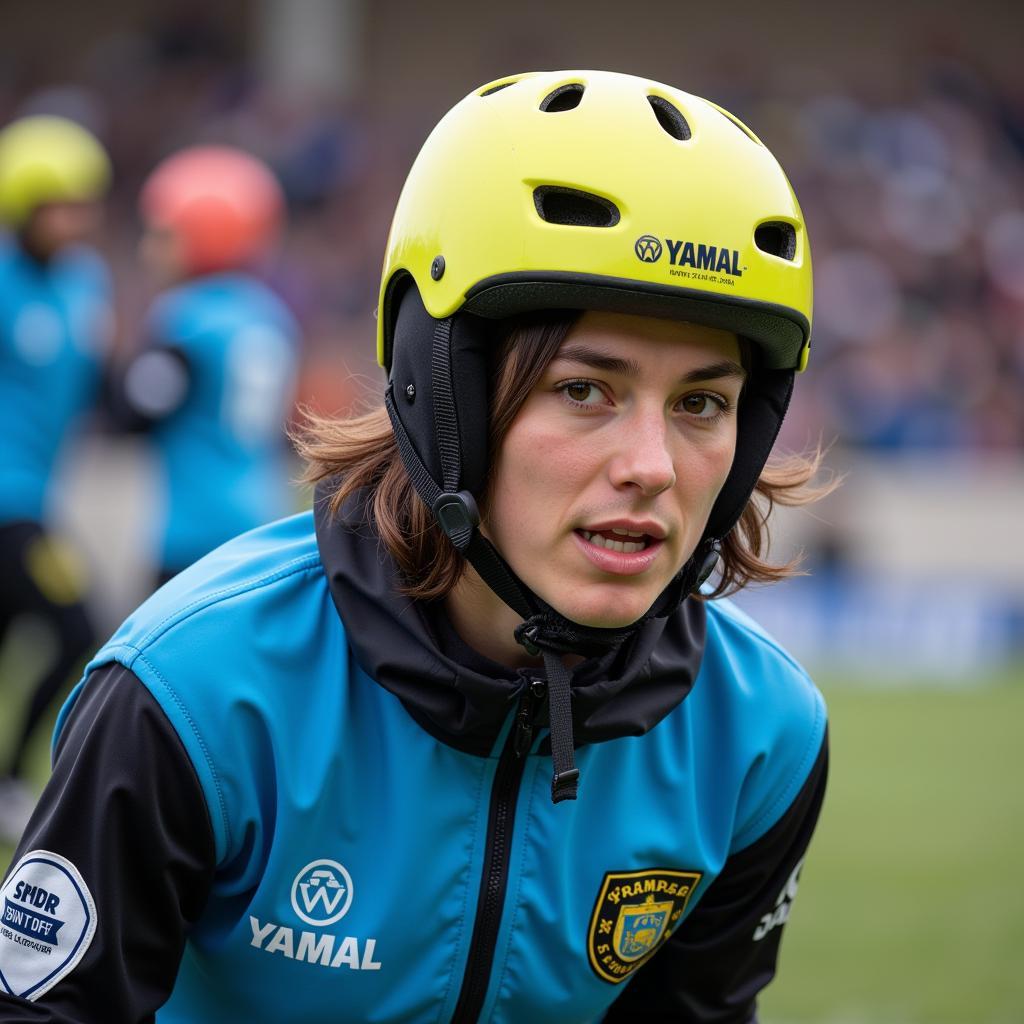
[[125, 807]]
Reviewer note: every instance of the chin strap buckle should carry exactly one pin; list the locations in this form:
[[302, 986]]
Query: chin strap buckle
[[458, 517]]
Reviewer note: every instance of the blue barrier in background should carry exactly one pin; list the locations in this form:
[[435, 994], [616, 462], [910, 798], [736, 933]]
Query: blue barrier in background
[[954, 632]]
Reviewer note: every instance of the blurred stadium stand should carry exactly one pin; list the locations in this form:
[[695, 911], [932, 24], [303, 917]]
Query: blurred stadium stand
[[901, 126]]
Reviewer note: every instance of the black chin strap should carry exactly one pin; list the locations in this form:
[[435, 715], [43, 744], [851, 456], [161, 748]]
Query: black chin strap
[[543, 631]]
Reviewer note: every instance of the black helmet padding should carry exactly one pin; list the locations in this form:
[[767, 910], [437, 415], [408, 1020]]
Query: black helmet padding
[[472, 342], [762, 408]]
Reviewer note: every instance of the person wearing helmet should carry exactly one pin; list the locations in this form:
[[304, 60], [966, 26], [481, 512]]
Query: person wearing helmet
[[55, 326], [470, 740], [212, 382]]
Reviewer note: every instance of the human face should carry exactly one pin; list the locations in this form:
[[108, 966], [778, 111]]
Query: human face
[[162, 254], [53, 226], [626, 440]]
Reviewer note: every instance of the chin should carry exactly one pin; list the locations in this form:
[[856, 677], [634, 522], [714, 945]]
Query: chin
[[605, 611]]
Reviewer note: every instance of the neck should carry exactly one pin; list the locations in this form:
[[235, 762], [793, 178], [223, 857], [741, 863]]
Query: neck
[[488, 625], [485, 622], [36, 251]]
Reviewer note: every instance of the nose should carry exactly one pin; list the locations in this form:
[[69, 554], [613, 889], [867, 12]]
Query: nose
[[643, 458]]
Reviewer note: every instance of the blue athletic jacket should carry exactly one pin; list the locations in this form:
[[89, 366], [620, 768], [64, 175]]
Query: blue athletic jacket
[[55, 327], [282, 792], [222, 454]]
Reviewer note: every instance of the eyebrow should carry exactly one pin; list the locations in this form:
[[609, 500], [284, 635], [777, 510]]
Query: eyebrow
[[631, 368]]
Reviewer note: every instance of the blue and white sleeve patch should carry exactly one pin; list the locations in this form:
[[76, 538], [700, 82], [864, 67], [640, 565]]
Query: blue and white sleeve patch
[[47, 921]]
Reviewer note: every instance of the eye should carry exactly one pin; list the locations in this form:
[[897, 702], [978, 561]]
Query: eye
[[581, 392], [703, 405]]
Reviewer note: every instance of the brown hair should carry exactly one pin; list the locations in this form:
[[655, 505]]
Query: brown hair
[[360, 452]]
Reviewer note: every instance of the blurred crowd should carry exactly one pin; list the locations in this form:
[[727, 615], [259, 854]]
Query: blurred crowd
[[915, 208], [914, 198]]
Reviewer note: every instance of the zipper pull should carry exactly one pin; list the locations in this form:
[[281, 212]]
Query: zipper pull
[[536, 691], [524, 731]]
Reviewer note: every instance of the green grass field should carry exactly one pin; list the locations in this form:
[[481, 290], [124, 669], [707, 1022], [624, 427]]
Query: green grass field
[[911, 908]]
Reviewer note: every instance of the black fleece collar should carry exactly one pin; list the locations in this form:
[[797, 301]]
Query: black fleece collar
[[463, 698]]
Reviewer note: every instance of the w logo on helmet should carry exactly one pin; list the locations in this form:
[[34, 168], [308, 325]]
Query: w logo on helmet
[[648, 249], [322, 892]]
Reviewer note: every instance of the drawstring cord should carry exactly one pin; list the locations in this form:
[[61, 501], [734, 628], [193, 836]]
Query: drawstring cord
[[565, 778], [551, 638]]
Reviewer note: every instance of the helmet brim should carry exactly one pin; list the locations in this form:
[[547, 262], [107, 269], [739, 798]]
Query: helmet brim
[[781, 333]]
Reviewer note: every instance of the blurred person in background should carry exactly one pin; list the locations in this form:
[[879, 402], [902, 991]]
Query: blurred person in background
[[470, 740], [55, 329], [212, 382]]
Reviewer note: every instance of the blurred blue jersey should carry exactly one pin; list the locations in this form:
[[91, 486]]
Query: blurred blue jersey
[[222, 451], [55, 327]]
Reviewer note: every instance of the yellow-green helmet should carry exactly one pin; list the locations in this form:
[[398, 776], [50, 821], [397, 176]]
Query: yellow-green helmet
[[597, 190], [47, 159], [586, 190]]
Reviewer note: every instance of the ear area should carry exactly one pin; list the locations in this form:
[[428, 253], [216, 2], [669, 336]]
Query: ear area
[[415, 370], [761, 412]]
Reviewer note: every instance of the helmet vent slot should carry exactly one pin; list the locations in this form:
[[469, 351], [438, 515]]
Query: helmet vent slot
[[776, 238], [565, 97], [669, 118], [497, 88], [569, 206]]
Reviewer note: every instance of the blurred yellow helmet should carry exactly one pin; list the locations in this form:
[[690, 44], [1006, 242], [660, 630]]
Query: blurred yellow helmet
[[47, 159], [598, 190]]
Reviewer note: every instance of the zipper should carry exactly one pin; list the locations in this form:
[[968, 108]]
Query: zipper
[[536, 691], [494, 880]]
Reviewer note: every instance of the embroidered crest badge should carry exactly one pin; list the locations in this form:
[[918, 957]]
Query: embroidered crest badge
[[634, 913]]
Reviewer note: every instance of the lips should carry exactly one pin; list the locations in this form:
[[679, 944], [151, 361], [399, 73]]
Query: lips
[[621, 549]]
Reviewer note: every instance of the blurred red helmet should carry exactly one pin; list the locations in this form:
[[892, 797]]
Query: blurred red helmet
[[224, 205]]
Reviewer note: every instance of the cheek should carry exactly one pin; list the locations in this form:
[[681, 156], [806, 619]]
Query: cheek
[[536, 473], [542, 459], [722, 461], [706, 470]]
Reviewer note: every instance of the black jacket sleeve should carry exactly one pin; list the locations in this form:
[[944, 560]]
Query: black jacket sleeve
[[724, 953], [125, 807], [147, 389]]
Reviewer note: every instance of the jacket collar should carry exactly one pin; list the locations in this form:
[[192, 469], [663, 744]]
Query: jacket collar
[[463, 698]]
